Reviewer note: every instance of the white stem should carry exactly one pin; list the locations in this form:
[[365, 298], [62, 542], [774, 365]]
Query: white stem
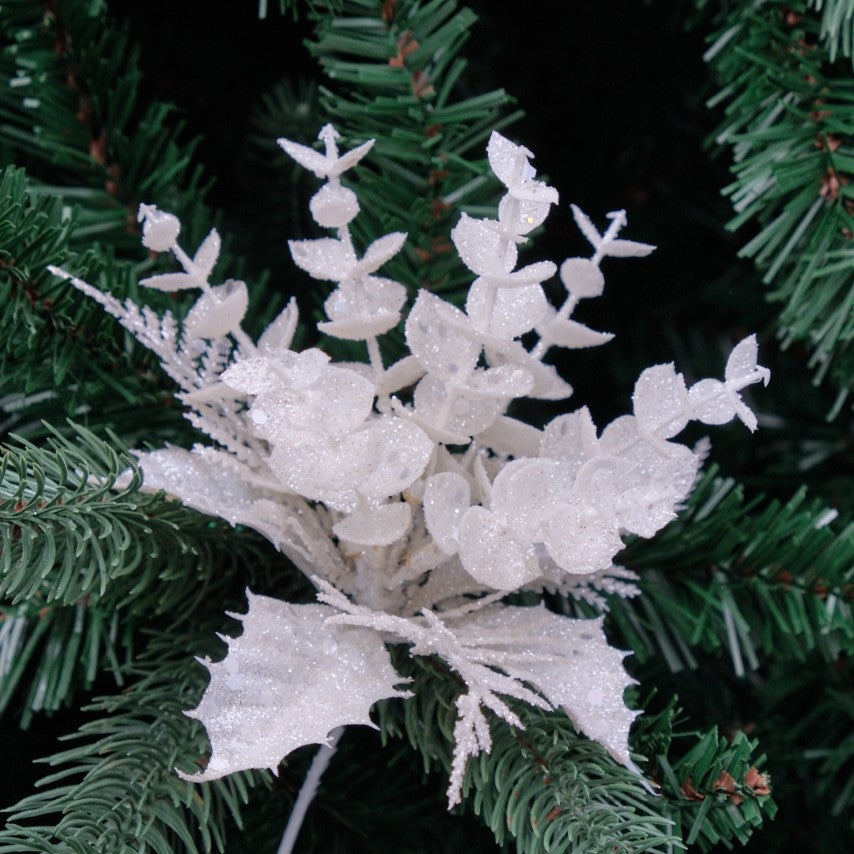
[[306, 792]]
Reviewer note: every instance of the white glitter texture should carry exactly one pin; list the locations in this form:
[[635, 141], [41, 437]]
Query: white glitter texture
[[407, 495]]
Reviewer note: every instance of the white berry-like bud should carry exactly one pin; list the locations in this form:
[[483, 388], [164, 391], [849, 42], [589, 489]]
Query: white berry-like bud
[[160, 230]]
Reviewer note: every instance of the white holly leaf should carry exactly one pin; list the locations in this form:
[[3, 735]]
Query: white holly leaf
[[510, 164], [661, 401], [582, 278], [287, 681], [326, 258], [492, 555], [206, 255], [505, 313], [568, 333], [446, 497], [218, 312], [279, 335], [627, 249], [568, 661], [375, 526]]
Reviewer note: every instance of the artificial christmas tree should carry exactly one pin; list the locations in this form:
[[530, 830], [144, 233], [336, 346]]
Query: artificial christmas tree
[[744, 605]]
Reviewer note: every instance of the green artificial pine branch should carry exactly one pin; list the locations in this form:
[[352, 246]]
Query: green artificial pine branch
[[789, 122], [116, 790], [713, 580]]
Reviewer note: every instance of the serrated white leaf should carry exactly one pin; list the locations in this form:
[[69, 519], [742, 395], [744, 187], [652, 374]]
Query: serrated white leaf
[[287, 681], [568, 661]]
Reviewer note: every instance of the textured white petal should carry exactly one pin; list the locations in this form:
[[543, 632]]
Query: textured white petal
[[288, 680], [219, 312], [376, 526], [446, 497], [568, 661], [661, 400], [491, 555], [582, 278]]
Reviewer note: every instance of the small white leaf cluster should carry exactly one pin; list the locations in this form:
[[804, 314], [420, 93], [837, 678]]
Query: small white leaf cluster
[[405, 492]]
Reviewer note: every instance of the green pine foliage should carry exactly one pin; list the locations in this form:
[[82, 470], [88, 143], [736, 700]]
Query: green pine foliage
[[784, 75], [746, 609]]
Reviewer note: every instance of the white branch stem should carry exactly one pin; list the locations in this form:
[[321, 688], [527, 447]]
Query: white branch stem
[[307, 791]]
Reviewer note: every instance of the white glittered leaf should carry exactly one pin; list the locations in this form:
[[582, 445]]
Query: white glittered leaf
[[627, 249], [360, 328], [171, 282], [570, 438], [207, 254], [661, 400], [402, 452], [351, 158], [502, 383], [446, 497], [380, 251], [333, 206], [465, 417], [582, 278], [441, 349], [492, 555], [565, 332], [219, 312], [521, 216], [280, 333], [481, 246], [710, 402], [548, 385], [568, 661], [377, 295], [742, 366], [288, 680], [402, 374], [509, 436], [376, 526], [326, 258], [510, 164], [307, 157], [505, 313], [579, 539], [523, 494], [534, 273], [586, 226]]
